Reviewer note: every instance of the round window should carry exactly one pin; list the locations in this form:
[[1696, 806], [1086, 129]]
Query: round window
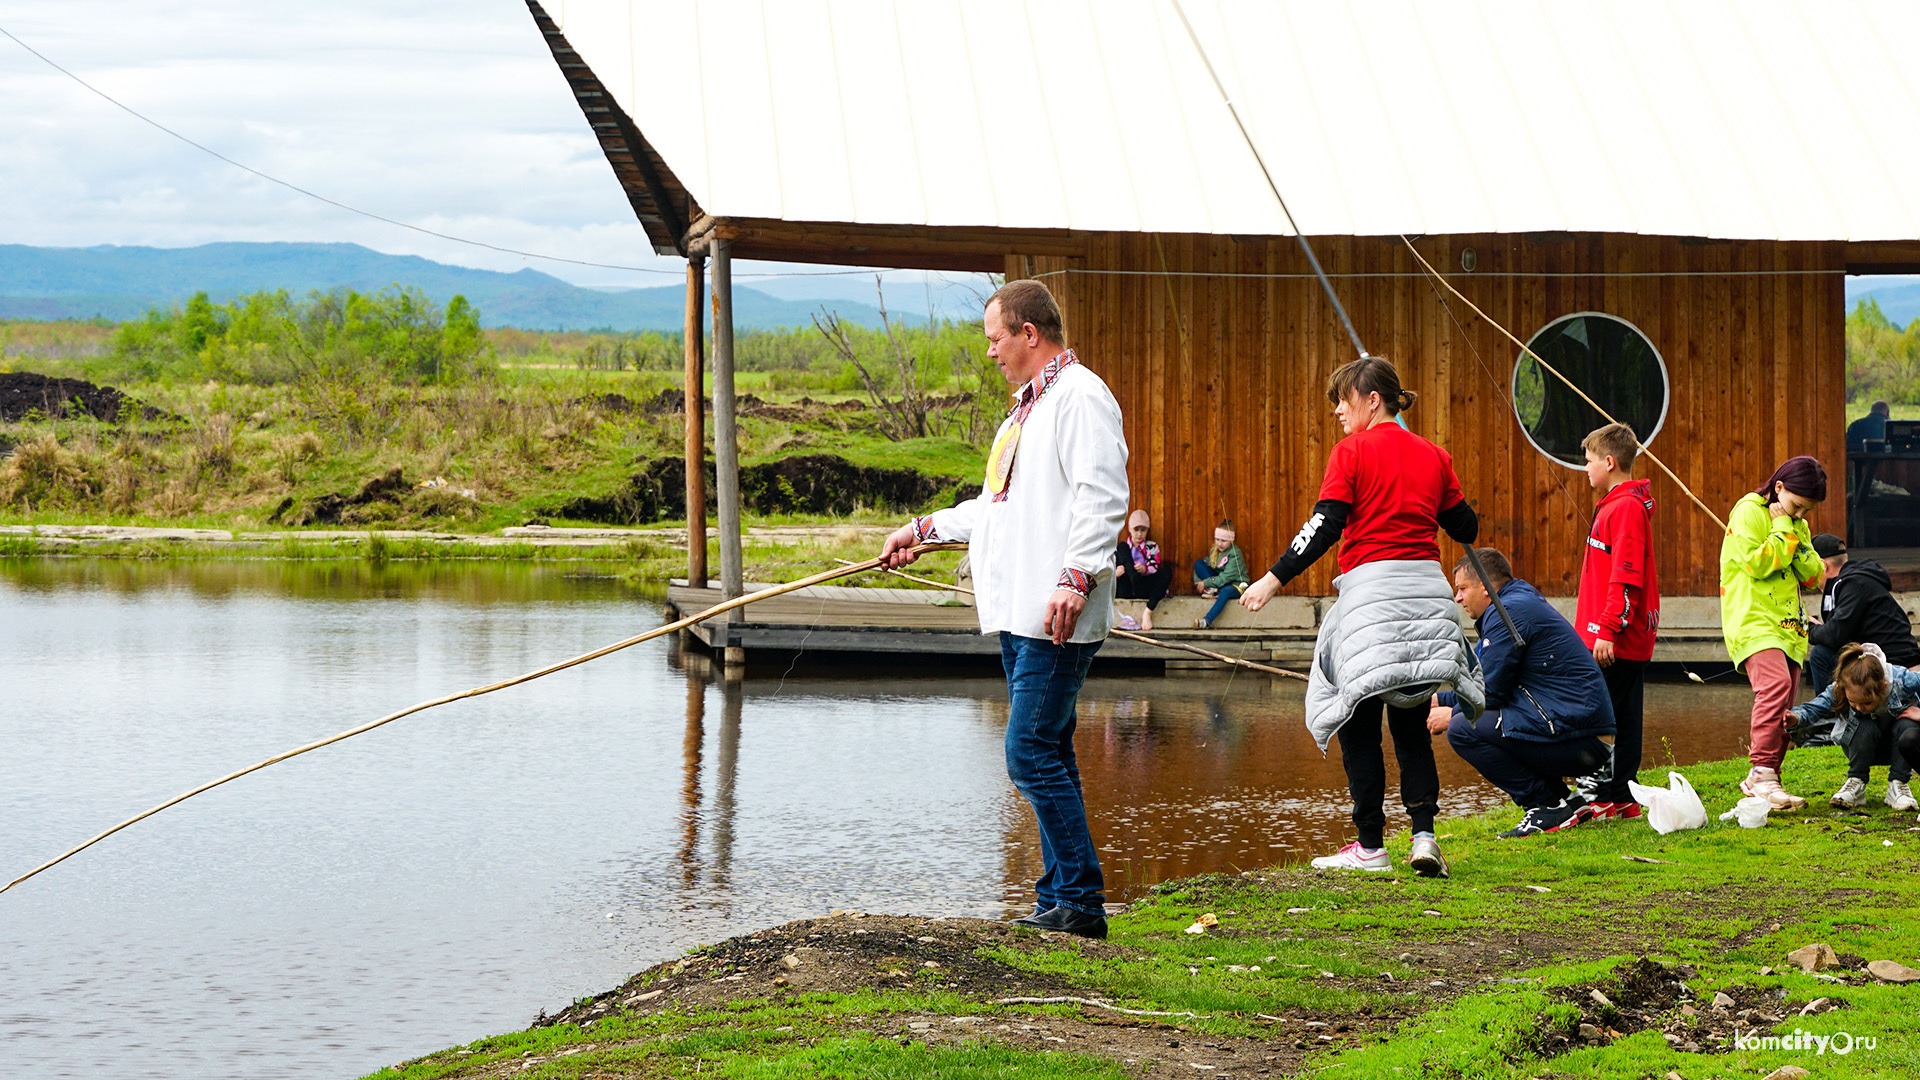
[[1611, 361]]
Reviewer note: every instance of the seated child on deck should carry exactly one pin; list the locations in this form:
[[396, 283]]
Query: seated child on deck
[[1222, 574]]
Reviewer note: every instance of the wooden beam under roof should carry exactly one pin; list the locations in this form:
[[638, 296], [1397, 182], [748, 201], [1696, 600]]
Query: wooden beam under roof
[[659, 200], [982, 249], [1883, 257]]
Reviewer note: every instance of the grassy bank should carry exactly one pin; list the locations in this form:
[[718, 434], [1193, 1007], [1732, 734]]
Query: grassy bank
[[471, 458], [1490, 974], [781, 552]]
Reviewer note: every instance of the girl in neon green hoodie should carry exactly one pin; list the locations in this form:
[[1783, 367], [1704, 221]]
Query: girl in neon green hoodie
[[1767, 555]]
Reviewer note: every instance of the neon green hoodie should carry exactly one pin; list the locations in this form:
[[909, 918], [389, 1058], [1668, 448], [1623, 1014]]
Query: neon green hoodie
[[1763, 562]]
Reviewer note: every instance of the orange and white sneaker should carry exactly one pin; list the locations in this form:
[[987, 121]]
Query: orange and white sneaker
[[1764, 783]]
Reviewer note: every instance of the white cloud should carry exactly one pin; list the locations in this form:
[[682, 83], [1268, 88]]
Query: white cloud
[[447, 114]]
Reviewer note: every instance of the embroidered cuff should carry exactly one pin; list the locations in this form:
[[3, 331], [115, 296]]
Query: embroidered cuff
[[1077, 581], [923, 531]]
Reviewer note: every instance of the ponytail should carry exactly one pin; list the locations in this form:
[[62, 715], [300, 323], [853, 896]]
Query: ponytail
[[1857, 670], [1371, 375]]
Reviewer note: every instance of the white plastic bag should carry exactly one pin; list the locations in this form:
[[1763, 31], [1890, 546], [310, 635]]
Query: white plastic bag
[[1672, 808], [1751, 812]]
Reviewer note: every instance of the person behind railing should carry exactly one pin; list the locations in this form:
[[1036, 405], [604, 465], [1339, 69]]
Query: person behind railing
[[1872, 426]]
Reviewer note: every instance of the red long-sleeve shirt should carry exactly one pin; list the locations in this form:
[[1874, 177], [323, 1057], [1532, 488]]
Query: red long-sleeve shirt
[[1619, 588]]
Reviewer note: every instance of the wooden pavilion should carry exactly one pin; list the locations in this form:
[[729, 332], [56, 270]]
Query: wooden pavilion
[[1707, 181]]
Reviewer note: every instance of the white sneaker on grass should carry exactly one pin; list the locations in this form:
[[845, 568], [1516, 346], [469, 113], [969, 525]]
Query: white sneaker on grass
[[1764, 783], [1853, 794], [1425, 858], [1900, 796], [1354, 857]]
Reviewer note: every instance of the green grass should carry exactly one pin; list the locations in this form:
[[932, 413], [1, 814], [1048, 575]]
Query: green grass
[[1728, 902], [812, 1036], [524, 445]]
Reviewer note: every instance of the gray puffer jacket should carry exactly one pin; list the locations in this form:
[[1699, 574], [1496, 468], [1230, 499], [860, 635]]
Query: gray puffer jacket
[[1393, 632]]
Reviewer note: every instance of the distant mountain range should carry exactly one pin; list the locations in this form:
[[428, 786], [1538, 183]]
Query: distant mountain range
[[1899, 296], [123, 282]]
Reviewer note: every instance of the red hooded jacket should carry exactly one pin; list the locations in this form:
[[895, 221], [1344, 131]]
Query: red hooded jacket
[[1619, 590]]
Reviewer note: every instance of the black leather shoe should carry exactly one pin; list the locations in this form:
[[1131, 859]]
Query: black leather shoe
[[1067, 921]]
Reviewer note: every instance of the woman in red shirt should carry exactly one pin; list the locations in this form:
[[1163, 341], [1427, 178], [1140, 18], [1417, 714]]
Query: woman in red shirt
[[1387, 492]]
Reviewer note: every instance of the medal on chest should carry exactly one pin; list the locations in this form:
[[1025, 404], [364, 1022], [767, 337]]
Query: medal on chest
[[1000, 458]]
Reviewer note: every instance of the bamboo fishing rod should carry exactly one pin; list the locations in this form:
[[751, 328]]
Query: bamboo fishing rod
[[681, 624], [1128, 634]]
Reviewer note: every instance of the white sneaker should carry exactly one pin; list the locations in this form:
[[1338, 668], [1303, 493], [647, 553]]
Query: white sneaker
[[1900, 796], [1354, 857], [1853, 793], [1764, 783], [1425, 858]]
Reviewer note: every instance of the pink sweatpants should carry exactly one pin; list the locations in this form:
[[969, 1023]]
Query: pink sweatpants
[[1775, 680]]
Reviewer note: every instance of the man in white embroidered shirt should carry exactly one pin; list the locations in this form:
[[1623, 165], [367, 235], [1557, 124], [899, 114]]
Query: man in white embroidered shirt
[[1040, 541]]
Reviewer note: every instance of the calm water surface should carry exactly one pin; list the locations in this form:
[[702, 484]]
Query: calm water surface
[[447, 876]]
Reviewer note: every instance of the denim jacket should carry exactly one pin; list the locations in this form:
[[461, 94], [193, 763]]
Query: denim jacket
[[1903, 690]]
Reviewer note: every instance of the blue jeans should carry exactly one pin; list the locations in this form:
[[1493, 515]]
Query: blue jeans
[[1043, 681], [1525, 769], [1819, 667], [1201, 572]]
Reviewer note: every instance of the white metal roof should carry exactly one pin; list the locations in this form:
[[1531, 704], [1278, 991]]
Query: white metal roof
[[1745, 119]]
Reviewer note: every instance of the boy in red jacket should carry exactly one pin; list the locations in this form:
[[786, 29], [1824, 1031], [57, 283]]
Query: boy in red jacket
[[1619, 608]]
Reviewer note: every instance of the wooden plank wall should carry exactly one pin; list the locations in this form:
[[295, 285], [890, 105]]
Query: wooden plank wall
[[1222, 379]]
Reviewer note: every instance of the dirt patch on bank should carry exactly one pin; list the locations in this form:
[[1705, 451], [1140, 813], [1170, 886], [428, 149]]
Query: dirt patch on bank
[[850, 952], [1644, 995], [806, 484], [25, 393]]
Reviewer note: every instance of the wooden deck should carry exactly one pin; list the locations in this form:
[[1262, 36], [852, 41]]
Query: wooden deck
[[833, 618]]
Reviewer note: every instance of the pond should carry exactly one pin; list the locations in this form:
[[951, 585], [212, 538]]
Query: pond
[[448, 876]]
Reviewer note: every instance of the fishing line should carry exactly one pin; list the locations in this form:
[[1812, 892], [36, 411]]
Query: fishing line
[[1648, 454], [1578, 510], [1473, 557], [1179, 646], [1344, 274]]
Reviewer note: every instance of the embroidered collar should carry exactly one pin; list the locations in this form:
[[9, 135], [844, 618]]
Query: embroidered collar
[[1031, 392]]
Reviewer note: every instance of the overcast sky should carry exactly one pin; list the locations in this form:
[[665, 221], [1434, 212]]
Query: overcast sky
[[449, 115]]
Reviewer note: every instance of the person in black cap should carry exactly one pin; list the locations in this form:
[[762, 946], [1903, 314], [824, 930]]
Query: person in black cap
[[1857, 604]]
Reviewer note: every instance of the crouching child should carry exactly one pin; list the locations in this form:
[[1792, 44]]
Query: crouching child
[[1875, 707]]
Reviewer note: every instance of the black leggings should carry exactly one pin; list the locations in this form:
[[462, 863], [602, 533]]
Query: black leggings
[[1134, 585], [1361, 754], [1894, 739]]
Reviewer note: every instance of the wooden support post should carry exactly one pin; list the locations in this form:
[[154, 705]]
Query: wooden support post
[[696, 412], [726, 443]]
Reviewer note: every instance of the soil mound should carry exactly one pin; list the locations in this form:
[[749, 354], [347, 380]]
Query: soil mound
[[829, 484], [808, 484], [840, 954], [389, 489], [851, 951], [23, 393]]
